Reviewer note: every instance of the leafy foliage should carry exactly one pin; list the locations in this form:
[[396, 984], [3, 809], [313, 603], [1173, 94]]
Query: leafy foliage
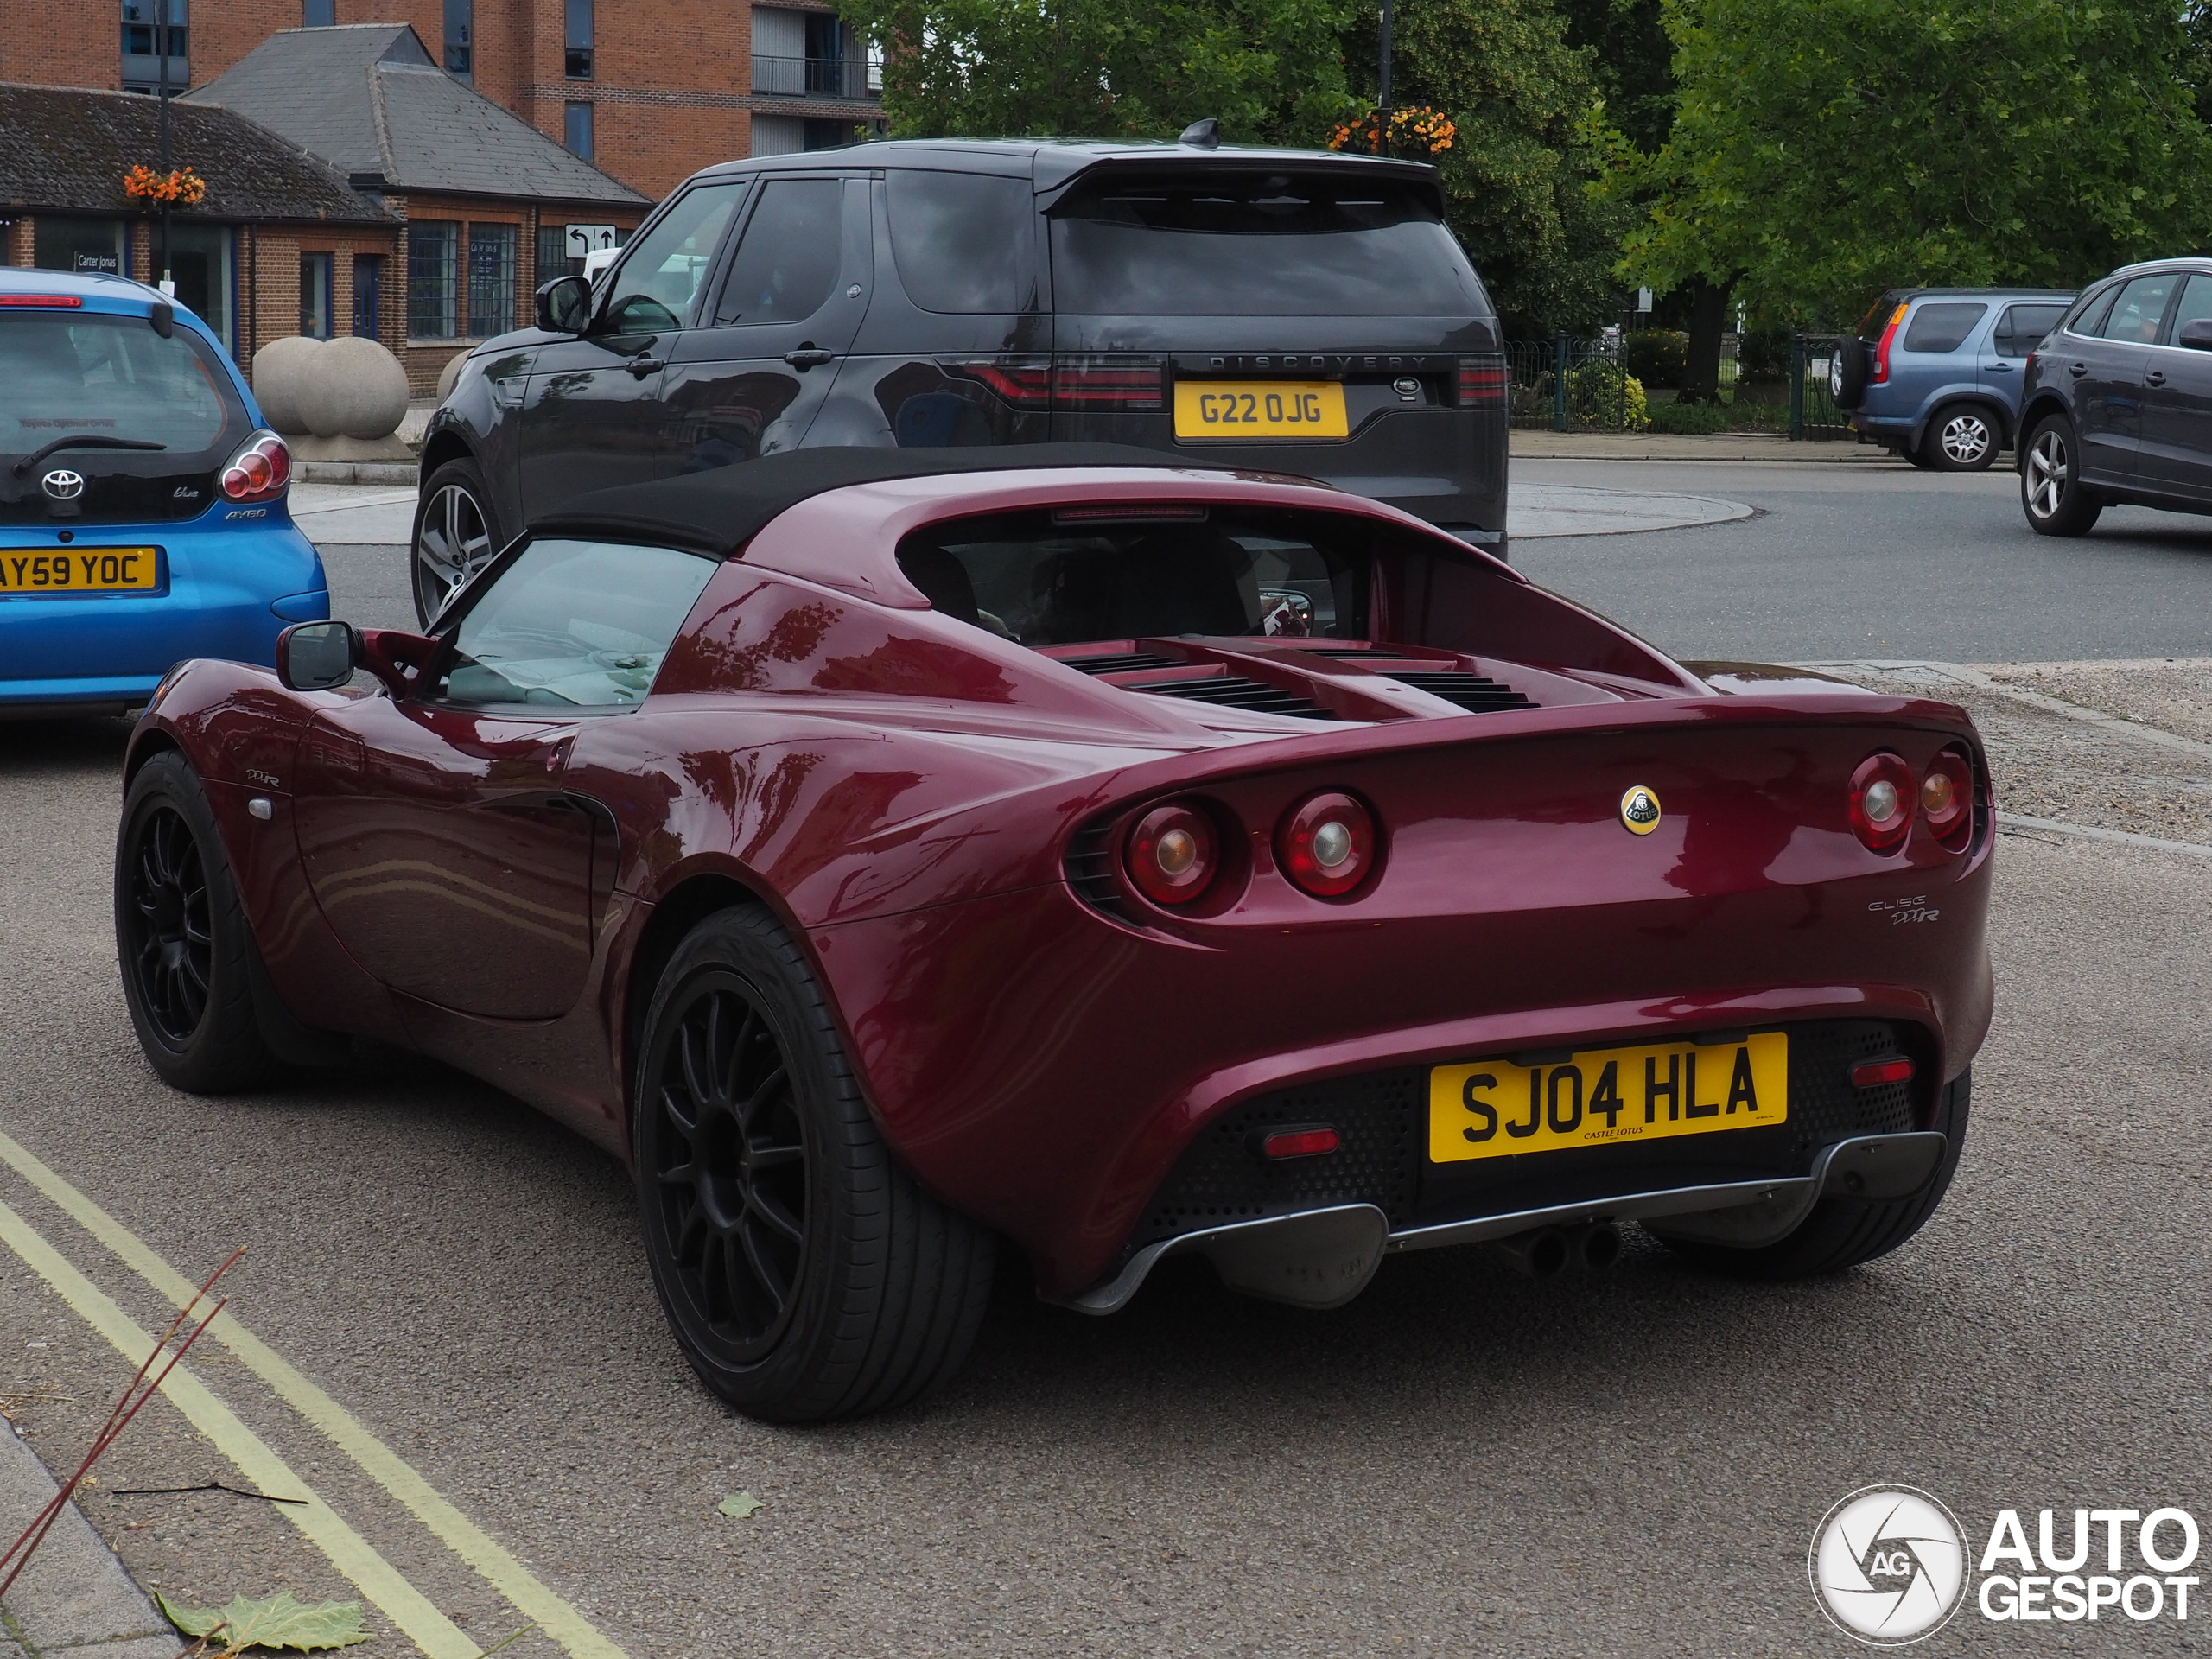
[[1269, 70], [279, 1621], [1825, 150], [1655, 356]]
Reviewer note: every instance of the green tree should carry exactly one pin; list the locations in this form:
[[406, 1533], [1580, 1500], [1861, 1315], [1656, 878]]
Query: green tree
[[1271, 71], [1824, 150]]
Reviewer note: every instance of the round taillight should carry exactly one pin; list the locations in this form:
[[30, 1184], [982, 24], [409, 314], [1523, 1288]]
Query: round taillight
[[1173, 853], [259, 471], [1882, 800], [1946, 799], [1327, 844]]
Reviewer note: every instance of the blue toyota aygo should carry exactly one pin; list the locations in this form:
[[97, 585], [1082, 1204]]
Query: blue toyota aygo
[[142, 515]]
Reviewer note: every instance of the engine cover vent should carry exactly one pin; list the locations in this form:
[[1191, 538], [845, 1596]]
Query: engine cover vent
[[1234, 692], [1477, 693], [1125, 662]]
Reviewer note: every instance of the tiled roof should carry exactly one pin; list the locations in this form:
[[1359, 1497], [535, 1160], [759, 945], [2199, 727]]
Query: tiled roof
[[367, 97], [64, 148]]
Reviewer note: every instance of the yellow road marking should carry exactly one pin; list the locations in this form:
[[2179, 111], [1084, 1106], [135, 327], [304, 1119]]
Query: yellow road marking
[[522, 1588], [401, 1602]]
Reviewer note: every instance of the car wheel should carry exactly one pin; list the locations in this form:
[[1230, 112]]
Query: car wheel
[[806, 1275], [1847, 374], [1843, 1232], [456, 534], [182, 939], [1960, 438], [2055, 500]]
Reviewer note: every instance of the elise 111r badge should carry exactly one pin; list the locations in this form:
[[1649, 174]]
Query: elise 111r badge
[[1640, 811]]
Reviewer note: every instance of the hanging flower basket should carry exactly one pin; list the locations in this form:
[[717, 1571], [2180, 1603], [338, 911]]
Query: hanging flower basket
[[1419, 129], [181, 187]]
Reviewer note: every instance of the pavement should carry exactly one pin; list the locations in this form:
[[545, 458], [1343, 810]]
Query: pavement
[[1533, 445], [74, 1598], [443, 1335]]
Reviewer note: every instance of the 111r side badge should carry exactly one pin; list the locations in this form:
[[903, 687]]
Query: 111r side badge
[[1640, 811]]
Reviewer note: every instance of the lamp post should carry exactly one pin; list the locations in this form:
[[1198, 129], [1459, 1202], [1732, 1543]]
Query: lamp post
[[162, 82], [1383, 88]]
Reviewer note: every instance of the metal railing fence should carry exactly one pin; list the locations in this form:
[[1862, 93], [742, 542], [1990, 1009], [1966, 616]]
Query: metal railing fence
[[1575, 383]]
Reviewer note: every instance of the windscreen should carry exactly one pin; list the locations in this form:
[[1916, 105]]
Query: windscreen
[[1073, 574], [1182, 242], [79, 374]]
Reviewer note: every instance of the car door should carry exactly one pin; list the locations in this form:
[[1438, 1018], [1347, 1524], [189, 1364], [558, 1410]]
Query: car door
[[2176, 454], [590, 415], [751, 378], [438, 830], [2106, 370]]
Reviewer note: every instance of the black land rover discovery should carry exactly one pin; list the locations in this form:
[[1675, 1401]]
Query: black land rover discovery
[[1294, 312]]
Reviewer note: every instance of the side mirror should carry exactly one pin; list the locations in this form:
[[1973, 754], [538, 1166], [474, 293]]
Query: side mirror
[[2195, 335], [564, 306], [317, 656]]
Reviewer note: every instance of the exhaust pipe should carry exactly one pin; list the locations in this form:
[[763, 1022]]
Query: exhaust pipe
[[1542, 1253], [1597, 1246]]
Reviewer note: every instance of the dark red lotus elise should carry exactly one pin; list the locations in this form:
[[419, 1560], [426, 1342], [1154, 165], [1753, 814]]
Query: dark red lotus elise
[[890, 853]]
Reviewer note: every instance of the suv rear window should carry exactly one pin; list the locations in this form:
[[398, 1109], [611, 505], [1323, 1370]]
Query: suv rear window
[[1063, 577], [85, 374], [964, 242], [1186, 243], [1944, 325]]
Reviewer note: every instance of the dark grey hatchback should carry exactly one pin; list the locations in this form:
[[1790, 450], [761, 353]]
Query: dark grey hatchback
[[1284, 311]]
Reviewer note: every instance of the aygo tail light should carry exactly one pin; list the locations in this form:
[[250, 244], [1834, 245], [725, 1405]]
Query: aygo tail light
[[260, 472], [1882, 800], [1173, 853], [1946, 799]]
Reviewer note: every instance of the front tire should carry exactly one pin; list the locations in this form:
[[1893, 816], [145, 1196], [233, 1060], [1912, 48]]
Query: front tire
[[1842, 1232], [182, 938], [1960, 438], [456, 534], [2052, 494], [804, 1273]]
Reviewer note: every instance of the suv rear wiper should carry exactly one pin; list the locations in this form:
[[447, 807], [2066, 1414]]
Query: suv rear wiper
[[83, 440]]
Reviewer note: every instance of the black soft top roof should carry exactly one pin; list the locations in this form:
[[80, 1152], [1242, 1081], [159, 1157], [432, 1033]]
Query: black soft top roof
[[719, 511]]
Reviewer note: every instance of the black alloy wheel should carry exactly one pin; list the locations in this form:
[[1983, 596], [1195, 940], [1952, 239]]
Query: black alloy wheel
[[456, 534], [181, 938], [804, 1274], [2052, 494], [171, 950], [725, 1149]]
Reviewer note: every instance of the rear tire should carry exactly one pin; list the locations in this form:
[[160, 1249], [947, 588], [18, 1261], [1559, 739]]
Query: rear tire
[[1847, 374], [1842, 1233], [182, 938], [456, 534], [1960, 438], [806, 1275], [2052, 494]]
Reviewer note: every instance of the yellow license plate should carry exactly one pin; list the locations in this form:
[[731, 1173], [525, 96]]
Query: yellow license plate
[[1260, 408], [80, 570], [1604, 1096]]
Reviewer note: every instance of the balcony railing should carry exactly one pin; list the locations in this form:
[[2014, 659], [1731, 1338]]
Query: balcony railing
[[815, 77]]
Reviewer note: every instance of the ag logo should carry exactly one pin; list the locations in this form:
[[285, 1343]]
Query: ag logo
[[62, 484], [1888, 1565], [1640, 811]]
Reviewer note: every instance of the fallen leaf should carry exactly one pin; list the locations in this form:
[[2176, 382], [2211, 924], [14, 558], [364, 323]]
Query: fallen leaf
[[738, 1505], [281, 1621]]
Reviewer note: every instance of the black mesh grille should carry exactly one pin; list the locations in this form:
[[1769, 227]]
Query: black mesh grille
[[1123, 662], [1234, 692], [1382, 1118], [1090, 866], [1475, 692]]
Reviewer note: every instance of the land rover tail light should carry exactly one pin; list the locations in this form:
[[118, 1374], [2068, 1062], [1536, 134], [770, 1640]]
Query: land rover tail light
[[1881, 350], [1882, 800], [1482, 383], [1946, 799], [1021, 382], [1109, 383], [260, 471]]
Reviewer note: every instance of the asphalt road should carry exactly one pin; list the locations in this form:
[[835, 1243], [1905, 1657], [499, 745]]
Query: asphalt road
[[1460, 1462]]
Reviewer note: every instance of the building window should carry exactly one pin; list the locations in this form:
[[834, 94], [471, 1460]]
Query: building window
[[204, 258], [315, 296], [85, 244], [579, 39], [491, 280], [553, 254], [832, 135], [368, 294], [460, 37], [432, 268], [143, 21], [319, 13], [825, 57], [576, 130]]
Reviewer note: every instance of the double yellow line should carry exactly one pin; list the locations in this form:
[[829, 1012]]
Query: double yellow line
[[408, 1609]]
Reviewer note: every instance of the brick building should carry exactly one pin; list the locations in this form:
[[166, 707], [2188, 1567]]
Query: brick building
[[649, 90]]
